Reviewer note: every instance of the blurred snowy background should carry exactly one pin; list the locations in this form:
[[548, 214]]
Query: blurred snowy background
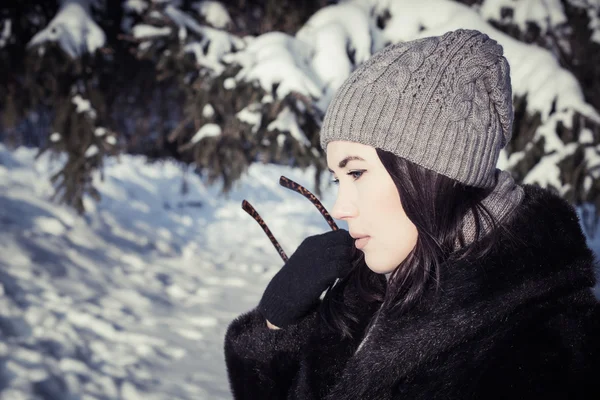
[[132, 130]]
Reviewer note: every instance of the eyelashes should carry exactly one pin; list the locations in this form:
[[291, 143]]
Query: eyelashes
[[355, 174]]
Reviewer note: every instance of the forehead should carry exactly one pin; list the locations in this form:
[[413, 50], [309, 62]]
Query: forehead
[[338, 150]]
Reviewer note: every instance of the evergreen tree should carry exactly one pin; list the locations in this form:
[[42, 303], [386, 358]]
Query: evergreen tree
[[220, 85]]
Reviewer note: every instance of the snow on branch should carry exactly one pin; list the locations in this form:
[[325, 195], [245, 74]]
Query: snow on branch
[[207, 44], [547, 14], [207, 130], [315, 61], [592, 8], [5, 32], [73, 29], [212, 45], [251, 115], [135, 6], [142, 31], [84, 106], [286, 122], [213, 12], [275, 59]]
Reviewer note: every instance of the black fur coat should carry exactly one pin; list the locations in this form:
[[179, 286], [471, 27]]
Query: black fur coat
[[522, 323]]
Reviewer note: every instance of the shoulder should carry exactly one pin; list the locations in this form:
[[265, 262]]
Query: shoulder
[[544, 218], [555, 355], [544, 230], [544, 207]]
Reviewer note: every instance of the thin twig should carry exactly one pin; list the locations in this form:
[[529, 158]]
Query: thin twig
[[296, 187], [254, 214]]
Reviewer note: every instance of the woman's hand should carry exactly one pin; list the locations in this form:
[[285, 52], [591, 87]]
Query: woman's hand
[[316, 264]]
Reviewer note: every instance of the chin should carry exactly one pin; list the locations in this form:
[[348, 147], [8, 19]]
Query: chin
[[379, 266]]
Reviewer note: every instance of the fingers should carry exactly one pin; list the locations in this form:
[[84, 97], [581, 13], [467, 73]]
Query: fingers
[[328, 246], [338, 237]]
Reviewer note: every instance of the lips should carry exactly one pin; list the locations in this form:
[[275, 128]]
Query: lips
[[357, 235], [361, 241]]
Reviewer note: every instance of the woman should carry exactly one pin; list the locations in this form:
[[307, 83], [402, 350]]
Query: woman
[[465, 285]]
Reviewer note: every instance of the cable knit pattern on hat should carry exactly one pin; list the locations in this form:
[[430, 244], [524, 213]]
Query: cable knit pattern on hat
[[444, 103]]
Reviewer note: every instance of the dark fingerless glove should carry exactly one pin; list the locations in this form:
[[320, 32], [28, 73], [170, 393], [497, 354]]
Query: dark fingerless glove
[[316, 264]]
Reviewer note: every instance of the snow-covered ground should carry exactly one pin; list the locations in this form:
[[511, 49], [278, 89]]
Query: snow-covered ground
[[131, 300]]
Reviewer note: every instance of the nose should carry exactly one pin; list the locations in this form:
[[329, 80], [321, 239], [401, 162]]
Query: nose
[[344, 208]]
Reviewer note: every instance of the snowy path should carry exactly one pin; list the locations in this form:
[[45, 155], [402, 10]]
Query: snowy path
[[132, 300]]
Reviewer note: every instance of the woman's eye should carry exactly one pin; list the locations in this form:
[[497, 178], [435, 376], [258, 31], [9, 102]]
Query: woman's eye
[[356, 174]]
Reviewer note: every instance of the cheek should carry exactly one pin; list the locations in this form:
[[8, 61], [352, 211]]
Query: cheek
[[384, 210], [392, 245], [394, 234], [402, 241]]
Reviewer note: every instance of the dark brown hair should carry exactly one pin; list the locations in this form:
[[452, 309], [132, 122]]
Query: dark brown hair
[[437, 206]]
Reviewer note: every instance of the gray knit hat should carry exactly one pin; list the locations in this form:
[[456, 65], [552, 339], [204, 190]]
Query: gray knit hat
[[444, 103]]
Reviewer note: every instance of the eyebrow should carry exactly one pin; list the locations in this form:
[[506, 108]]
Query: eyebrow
[[346, 160]]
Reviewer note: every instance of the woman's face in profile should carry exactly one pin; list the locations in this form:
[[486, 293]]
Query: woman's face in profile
[[369, 202]]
